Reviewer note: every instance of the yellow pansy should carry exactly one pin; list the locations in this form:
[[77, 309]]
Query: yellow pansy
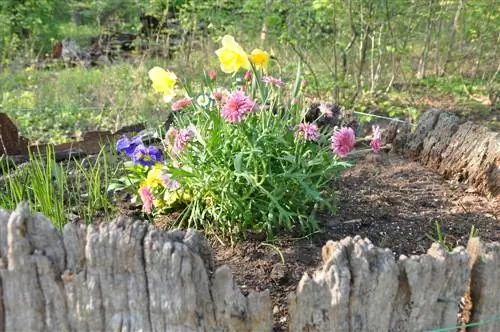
[[260, 58], [163, 82], [172, 197], [158, 203], [231, 55], [154, 178]]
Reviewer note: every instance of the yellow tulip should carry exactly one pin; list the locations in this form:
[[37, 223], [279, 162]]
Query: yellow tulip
[[231, 55], [163, 82], [260, 58]]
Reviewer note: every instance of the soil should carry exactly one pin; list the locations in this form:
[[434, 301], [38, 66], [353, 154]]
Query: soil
[[391, 201]]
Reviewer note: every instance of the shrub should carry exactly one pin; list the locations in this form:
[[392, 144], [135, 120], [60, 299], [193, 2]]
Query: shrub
[[239, 159]]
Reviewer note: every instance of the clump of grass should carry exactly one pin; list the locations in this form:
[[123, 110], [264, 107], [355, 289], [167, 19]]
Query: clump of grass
[[441, 239], [57, 189]]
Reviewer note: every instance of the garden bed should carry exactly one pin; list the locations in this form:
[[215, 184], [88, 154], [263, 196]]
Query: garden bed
[[388, 199]]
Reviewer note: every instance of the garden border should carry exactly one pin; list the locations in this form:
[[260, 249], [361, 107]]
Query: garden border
[[127, 275]]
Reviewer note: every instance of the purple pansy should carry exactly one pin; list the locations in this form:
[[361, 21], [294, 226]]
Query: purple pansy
[[127, 145], [147, 156]]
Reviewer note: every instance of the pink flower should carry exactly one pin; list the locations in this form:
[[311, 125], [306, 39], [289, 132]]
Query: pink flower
[[182, 138], [325, 110], [212, 75], [181, 103], [147, 199], [237, 107], [248, 76], [303, 84], [343, 141], [170, 136], [273, 81], [308, 131], [376, 142], [220, 95], [169, 183]]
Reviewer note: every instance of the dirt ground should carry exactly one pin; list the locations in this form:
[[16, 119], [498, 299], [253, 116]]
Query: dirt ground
[[385, 198]]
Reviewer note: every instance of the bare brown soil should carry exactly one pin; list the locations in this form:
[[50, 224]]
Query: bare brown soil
[[389, 200]]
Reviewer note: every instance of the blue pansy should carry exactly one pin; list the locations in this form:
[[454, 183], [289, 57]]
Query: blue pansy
[[127, 145], [147, 156]]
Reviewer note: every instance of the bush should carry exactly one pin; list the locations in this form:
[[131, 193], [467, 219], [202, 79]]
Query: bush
[[239, 159]]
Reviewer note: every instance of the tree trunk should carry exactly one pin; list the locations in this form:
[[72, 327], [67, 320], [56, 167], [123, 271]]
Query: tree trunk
[[423, 57], [443, 144], [453, 35], [263, 30]]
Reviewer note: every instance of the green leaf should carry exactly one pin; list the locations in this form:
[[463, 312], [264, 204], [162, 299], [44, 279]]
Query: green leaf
[[237, 162]]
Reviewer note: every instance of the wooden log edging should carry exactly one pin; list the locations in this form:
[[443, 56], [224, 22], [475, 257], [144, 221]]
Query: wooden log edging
[[466, 152], [363, 288], [128, 276], [118, 276]]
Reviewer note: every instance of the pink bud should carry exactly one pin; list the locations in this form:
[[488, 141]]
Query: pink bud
[[212, 75]]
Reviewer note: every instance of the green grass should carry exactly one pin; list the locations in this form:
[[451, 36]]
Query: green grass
[[58, 190]]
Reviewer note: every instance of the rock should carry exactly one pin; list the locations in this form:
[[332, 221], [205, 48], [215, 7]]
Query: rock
[[279, 273], [11, 143]]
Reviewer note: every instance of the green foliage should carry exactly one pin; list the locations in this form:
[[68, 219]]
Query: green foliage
[[36, 20], [56, 189], [256, 174]]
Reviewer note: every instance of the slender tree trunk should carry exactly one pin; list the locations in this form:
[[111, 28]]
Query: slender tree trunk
[[423, 57], [263, 31], [394, 44], [437, 58], [336, 90], [363, 43], [378, 69], [453, 35]]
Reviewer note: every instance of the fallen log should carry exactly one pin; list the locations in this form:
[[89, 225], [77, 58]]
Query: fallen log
[[466, 152]]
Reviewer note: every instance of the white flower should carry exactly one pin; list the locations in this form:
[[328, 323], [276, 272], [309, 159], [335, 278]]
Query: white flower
[[203, 100]]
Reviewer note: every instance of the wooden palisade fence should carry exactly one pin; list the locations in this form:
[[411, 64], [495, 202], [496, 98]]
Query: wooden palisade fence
[[128, 276]]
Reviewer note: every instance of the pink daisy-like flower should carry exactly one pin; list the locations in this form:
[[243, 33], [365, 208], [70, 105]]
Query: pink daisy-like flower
[[237, 106], [376, 142], [169, 183], [182, 138], [181, 103], [170, 136], [325, 110], [147, 198], [343, 141], [308, 131], [273, 81], [220, 95]]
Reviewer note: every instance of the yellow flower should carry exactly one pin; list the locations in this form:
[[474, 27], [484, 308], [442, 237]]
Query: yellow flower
[[163, 82], [158, 203], [154, 178], [260, 58], [172, 197], [231, 55]]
